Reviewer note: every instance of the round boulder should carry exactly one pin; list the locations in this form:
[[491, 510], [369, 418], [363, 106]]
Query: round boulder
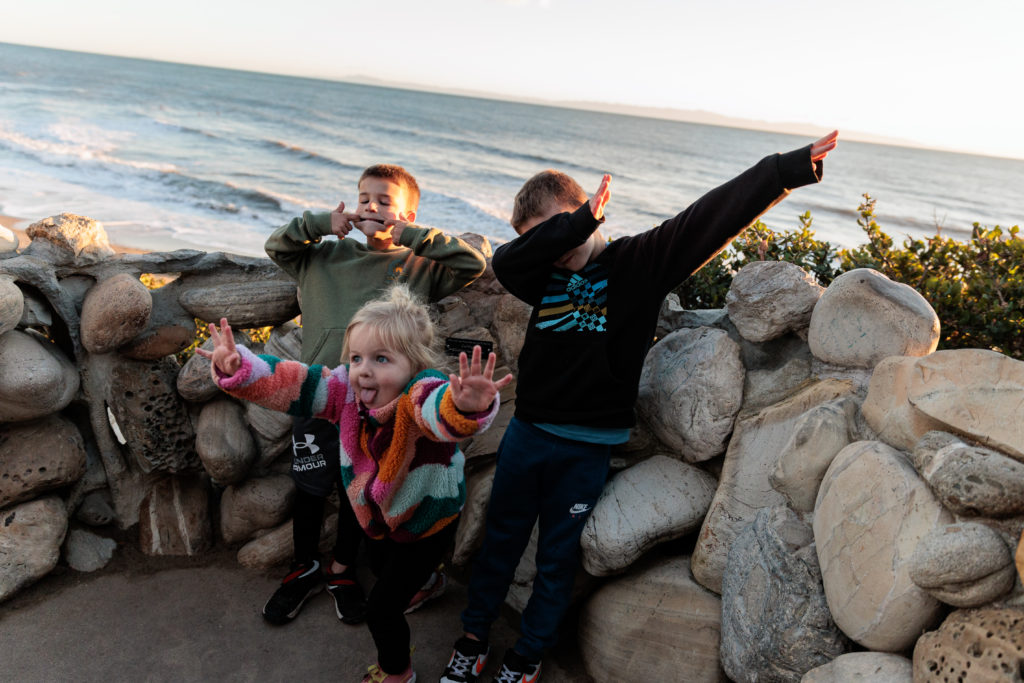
[[770, 298], [114, 312], [964, 565], [864, 317], [255, 505], [30, 538], [39, 456], [223, 442], [37, 379], [12, 305]]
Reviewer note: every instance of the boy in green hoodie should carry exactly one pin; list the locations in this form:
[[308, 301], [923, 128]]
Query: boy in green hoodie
[[336, 277]]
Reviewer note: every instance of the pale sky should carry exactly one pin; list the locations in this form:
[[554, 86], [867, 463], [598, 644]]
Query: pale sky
[[945, 73]]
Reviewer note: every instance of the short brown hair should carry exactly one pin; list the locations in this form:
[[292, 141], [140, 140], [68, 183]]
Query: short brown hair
[[397, 175], [537, 192]]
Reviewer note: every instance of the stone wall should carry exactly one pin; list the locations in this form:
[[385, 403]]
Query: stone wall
[[811, 486]]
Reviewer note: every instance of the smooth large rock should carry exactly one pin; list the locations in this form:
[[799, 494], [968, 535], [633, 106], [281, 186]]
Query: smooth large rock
[[964, 565], [775, 622], [888, 410], [863, 667], [169, 330], [37, 379], [977, 645], [817, 437], [151, 416], [30, 539], [223, 442], [744, 486], [654, 501], [174, 517], [472, 523], [769, 298], [276, 547], [872, 511], [114, 312], [194, 381], [864, 317], [976, 392], [775, 369], [12, 305], [68, 239], [39, 456], [655, 625], [255, 505], [970, 480], [260, 296], [691, 388], [511, 317], [8, 243]]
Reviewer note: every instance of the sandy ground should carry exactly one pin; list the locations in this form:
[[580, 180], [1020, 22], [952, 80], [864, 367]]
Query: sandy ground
[[176, 619]]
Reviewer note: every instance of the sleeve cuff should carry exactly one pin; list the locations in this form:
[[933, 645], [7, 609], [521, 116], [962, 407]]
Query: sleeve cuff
[[412, 235], [796, 168]]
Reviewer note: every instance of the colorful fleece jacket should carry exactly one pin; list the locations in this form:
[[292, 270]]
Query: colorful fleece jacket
[[400, 465]]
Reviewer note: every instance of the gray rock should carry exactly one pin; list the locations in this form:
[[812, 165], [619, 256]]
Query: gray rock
[[114, 312], [37, 379], [863, 667], [871, 512], [690, 390], [68, 239], [8, 243], [276, 547], [285, 341], [12, 305], [84, 551], [223, 442], [891, 320], [30, 538], [744, 486], [656, 624], [39, 456], [775, 622], [770, 298], [964, 565], [96, 509], [174, 517], [968, 479], [472, 523], [817, 437], [510, 319], [255, 505], [37, 312], [170, 328], [775, 369], [654, 501], [674, 317], [256, 297], [985, 644], [151, 416]]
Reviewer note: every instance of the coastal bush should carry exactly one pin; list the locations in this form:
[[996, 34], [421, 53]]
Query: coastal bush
[[976, 287]]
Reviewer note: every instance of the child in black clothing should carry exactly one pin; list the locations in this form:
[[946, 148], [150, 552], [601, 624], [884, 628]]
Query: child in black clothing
[[595, 307]]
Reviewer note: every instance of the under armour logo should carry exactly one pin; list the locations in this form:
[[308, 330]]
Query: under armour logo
[[313, 448]]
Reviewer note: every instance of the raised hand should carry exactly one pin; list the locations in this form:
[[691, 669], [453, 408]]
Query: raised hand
[[601, 197], [821, 148], [342, 223], [473, 389], [225, 356]]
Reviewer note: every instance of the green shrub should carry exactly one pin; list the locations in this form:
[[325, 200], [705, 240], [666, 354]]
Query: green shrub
[[976, 287]]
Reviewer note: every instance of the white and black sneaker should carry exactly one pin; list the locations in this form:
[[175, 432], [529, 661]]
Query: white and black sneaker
[[517, 669], [469, 657], [303, 582]]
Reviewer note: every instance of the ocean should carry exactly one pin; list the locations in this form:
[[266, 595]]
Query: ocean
[[175, 156]]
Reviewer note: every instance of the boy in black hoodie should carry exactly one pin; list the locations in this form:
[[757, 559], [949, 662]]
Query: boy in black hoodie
[[595, 307]]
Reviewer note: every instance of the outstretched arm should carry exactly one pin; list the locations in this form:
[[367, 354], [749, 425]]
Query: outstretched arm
[[473, 389], [821, 148]]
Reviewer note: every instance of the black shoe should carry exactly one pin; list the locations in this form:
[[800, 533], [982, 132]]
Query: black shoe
[[517, 669], [349, 599], [469, 657], [303, 582]]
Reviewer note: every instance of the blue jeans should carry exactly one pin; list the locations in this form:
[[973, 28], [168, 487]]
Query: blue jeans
[[539, 475]]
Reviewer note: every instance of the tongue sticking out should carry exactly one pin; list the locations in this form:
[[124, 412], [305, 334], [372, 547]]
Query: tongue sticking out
[[367, 395]]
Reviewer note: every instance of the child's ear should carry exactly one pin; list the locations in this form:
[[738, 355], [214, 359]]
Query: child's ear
[[408, 216]]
